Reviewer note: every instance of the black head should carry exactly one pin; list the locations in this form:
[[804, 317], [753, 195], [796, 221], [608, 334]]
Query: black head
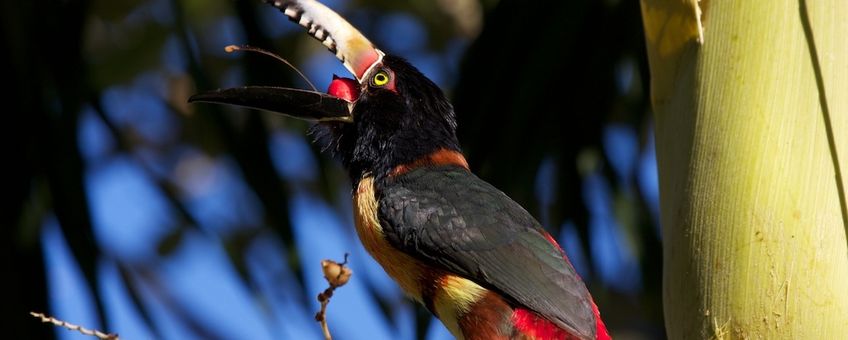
[[400, 116]]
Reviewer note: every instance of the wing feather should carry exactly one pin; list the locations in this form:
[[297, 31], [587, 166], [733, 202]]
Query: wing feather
[[449, 217]]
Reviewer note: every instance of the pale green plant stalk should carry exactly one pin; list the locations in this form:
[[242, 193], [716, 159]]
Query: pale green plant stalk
[[753, 211]]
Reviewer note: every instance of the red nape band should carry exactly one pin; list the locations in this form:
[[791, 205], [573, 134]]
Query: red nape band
[[438, 157]]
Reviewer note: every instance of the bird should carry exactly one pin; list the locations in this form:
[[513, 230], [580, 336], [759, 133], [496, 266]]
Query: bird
[[457, 245]]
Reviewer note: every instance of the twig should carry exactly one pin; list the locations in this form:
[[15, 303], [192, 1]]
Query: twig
[[233, 48], [70, 326], [336, 274]]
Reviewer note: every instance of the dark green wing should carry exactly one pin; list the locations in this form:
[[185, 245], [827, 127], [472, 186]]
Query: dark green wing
[[448, 217]]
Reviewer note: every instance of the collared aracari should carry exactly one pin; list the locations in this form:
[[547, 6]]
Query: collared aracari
[[454, 243]]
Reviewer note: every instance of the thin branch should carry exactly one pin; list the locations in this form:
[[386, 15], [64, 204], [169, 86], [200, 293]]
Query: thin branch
[[336, 274], [90, 332], [233, 48]]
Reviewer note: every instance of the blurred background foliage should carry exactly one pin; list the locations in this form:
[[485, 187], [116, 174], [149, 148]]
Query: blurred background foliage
[[133, 212]]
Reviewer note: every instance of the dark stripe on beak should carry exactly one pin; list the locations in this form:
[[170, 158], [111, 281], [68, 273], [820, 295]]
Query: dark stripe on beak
[[297, 103]]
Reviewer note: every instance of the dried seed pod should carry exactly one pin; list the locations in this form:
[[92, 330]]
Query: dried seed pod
[[337, 274]]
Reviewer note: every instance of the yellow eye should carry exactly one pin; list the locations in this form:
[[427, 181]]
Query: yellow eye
[[380, 79]]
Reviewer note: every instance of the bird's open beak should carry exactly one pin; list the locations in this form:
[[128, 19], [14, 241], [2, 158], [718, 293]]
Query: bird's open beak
[[352, 48]]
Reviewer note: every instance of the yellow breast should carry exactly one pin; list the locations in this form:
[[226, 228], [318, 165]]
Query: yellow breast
[[404, 269]]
